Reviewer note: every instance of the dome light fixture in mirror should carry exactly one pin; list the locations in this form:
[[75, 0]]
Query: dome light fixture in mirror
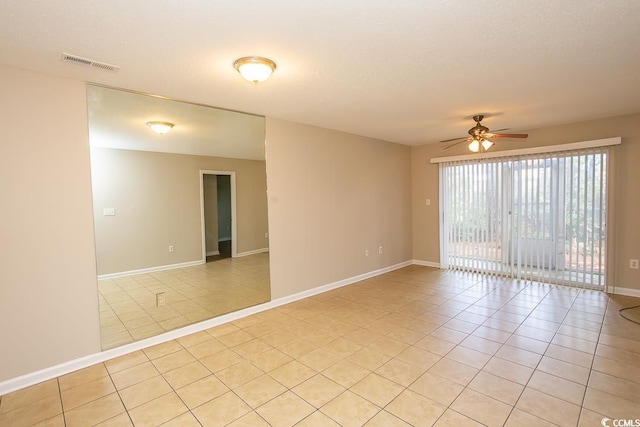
[[160, 127]]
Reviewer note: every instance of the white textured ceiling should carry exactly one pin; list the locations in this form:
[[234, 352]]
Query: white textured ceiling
[[411, 72]]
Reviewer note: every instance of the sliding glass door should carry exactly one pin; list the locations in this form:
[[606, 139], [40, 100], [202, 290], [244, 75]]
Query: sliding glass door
[[538, 217]]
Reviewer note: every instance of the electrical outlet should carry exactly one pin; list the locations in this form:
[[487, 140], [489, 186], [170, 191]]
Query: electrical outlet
[[380, 250], [266, 235], [109, 211], [161, 299], [633, 263], [366, 252], [170, 248]]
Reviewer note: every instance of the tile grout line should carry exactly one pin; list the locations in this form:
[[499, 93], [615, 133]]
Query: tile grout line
[[479, 370], [512, 334], [593, 359], [494, 355], [448, 407], [543, 355], [64, 415]]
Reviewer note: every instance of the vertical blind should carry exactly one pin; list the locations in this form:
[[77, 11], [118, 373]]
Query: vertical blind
[[535, 217]]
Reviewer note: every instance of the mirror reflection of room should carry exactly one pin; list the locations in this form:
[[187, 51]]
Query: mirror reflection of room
[[180, 217]]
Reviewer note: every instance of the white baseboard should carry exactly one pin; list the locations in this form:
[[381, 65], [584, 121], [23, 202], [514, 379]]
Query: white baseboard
[[426, 263], [32, 378], [624, 291], [247, 253], [212, 253], [150, 269], [340, 283]]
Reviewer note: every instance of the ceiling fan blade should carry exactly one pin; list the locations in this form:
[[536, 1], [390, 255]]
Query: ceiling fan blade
[[510, 135], [454, 144], [455, 139], [498, 130]]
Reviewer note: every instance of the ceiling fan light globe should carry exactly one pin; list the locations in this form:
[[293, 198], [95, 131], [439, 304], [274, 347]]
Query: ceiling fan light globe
[[486, 144], [474, 146]]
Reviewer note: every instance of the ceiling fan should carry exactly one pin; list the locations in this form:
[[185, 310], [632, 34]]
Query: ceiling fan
[[481, 137]]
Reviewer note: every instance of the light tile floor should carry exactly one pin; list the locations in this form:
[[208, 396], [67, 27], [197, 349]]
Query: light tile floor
[[417, 346], [129, 309]]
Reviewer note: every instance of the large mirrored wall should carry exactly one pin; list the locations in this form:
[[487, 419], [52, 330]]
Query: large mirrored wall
[[180, 218]]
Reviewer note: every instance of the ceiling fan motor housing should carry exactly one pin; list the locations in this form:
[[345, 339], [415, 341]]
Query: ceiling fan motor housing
[[478, 130]]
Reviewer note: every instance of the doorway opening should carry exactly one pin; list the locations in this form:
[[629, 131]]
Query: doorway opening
[[218, 215]]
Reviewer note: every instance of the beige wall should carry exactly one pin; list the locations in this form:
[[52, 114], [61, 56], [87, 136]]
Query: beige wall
[[48, 294], [625, 180], [156, 197], [332, 196]]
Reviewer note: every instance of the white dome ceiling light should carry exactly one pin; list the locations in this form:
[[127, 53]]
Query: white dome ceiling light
[[254, 68]]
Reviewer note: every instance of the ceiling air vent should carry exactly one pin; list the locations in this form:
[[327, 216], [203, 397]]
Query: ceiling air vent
[[89, 63]]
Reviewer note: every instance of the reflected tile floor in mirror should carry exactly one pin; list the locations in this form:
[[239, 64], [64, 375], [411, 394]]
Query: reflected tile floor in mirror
[[145, 305], [417, 346]]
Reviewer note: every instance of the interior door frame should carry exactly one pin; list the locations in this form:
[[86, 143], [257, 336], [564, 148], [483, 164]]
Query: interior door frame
[[234, 231]]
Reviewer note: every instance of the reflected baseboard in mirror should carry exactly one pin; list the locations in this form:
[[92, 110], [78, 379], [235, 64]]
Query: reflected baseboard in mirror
[[144, 305], [149, 217]]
